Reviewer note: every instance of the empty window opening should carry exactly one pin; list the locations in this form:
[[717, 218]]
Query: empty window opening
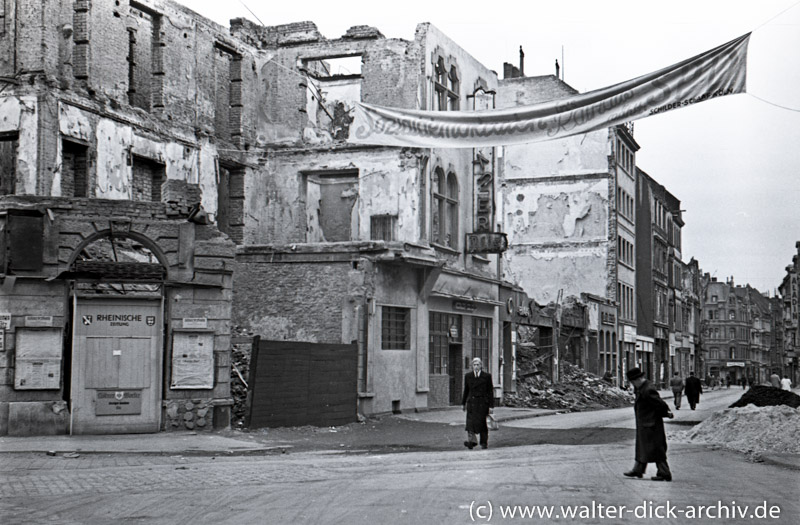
[[74, 169], [331, 210], [333, 88], [148, 176]]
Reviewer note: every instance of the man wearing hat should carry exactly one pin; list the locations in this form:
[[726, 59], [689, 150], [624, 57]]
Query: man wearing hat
[[651, 441]]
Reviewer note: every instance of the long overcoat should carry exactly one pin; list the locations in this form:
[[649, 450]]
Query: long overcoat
[[693, 389], [651, 441], [478, 398]]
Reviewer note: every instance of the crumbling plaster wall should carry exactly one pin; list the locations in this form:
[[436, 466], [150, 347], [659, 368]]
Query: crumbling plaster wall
[[556, 205], [387, 184], [21, 114], [111, 143], [289, 104]]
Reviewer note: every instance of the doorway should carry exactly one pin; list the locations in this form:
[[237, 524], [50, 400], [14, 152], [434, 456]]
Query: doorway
[[115, 383], [456, 373]]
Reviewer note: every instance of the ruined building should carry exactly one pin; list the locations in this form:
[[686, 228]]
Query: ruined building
[[118, 122], [568, 207], [385, 248]]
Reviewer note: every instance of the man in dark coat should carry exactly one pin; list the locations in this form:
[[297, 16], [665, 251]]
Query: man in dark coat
[[651, 441], [478, 402], [693, 390]]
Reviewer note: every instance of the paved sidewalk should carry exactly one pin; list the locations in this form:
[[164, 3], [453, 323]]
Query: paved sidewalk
[[163, 443], [455, 415]]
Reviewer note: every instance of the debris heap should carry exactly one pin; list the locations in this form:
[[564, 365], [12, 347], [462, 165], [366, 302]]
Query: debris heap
[[752, 429], [764, 396], [577, 390]]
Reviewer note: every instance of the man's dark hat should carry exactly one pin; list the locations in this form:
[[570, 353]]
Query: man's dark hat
[[634, 373]]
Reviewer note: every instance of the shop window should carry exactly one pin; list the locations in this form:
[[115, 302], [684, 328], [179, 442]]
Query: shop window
[[395, 328], [481, 339], [443, 329], [8, 163], [74, 169], [382, 227]]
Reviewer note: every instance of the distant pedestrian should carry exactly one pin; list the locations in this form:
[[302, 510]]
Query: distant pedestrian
[[651, 440], [676, 384], [744, 383], [727, 381], [786, 383], [478, 403], [775, 380], [693, 390]]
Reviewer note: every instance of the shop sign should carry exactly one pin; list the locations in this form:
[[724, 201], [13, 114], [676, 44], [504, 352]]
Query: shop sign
[[5, 320], [735, 363], [195, 322], [487, 242], [464, 306], [118, 402]]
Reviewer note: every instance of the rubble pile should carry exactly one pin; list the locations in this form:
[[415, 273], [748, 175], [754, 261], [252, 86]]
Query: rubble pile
[[751, 429], [577, 390], [240, 373], [764, 396]]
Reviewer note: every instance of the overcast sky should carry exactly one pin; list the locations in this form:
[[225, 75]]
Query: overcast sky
[[733, 162]]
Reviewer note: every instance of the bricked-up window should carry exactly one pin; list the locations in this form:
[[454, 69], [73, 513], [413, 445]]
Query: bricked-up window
[[148, 176], [382, 227], [442, 327], [80, 37], [445, 84], [230, 202], [395, 328], [481, 339], [228, 93], [145, 58], [8, 163], [74, 169]]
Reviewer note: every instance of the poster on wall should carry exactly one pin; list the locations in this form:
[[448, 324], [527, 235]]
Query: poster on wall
[[192, 360]]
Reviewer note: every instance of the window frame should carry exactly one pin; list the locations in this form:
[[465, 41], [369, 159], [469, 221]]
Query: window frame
[[392, 326]]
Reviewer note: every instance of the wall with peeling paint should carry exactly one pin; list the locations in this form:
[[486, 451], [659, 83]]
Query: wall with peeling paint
[[21, 115], [557, 210]]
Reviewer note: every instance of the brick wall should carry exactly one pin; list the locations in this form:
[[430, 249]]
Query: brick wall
[[299, 301]]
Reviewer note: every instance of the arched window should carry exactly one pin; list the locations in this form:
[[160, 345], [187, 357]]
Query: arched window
[[444, 212], [445, 83], [452, 211]]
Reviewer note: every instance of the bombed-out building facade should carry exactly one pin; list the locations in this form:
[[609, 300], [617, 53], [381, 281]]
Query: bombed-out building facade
[[185, 178]]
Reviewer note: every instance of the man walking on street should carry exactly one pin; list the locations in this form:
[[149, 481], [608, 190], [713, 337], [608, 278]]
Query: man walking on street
[[676, 384], [693, 390], [478, 403], [786, 383], [651, 440]]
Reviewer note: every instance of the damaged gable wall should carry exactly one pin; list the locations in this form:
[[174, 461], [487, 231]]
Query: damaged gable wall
[[557, 205]]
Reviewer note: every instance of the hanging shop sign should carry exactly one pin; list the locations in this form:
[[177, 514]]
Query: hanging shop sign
[[489, 242]]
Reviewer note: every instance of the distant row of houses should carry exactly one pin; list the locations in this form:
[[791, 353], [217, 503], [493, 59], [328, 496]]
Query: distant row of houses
[[169, 184]]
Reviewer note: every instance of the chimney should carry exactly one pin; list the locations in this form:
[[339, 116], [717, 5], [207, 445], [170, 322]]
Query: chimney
[[521, 62], [507, 70]]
